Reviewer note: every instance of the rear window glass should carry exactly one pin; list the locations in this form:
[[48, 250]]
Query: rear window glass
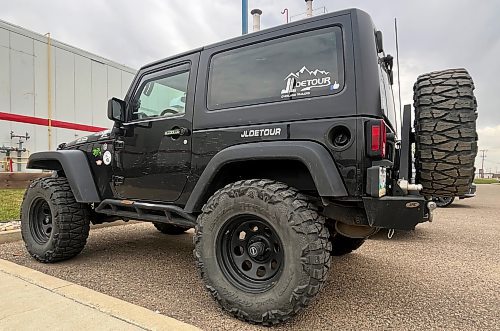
[[298, 66]]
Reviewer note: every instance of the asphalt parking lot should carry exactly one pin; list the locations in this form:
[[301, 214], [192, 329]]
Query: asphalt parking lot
[[444, 275]]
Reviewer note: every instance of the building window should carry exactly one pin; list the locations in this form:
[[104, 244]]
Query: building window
[[298, 66]]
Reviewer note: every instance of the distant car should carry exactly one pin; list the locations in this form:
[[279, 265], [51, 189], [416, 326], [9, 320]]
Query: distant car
[[443, 202]]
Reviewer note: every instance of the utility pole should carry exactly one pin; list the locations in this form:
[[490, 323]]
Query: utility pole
[[244, 16], [483, 156]]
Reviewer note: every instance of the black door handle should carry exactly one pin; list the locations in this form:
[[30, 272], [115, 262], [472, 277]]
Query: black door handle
[[177, 132]]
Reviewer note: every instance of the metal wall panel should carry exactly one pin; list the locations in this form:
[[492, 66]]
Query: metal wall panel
[[83, 90], [4, 38], [41, 138], [41, 79], [126, 81], [81, 85], [22, 93], [4, 79], [5, 128], [99, 94], [114, 83], [65, 86], [21, 43]]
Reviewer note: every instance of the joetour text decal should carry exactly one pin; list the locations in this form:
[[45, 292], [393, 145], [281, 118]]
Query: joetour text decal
[[303, 81]]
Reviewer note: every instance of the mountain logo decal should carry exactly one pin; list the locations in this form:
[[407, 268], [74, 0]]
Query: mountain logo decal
[[303, 81]]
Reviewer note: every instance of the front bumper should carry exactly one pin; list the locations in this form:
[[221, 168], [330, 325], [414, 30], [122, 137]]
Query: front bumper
[[398, 212]]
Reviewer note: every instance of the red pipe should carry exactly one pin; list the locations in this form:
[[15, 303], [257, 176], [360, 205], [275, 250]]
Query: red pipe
[[45, 122]]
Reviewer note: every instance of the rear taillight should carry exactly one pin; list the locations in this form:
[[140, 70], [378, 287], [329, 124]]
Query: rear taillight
[[377, 138]]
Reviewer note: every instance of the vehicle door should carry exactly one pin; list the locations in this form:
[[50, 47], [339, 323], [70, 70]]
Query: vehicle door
[[152, 154]]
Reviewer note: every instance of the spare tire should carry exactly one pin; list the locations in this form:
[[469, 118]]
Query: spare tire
[[445, 132]]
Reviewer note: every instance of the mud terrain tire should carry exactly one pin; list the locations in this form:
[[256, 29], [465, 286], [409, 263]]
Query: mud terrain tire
[[285, 215], [342, 245], [445, 132], [54, 226]]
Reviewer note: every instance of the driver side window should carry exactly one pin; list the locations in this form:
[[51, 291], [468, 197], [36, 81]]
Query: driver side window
[[161, 96]]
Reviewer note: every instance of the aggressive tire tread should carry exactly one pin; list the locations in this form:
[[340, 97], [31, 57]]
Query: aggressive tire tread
[[71, 218], [303, 218], [445, 132], [342, 245]]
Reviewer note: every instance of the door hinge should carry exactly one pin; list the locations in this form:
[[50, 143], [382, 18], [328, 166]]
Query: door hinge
[[117, 180], [119, 144]]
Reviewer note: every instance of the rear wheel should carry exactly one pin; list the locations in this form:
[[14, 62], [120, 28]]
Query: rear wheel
[[445, 132], [170, 228], [342, 245], [54, 226], [443, 202], [262, 250]]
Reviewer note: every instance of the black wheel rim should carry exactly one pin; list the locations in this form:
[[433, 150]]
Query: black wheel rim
[[250, 253], [41, 221], [443, 201]]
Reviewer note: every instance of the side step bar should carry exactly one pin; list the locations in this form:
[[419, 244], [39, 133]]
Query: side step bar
[[146, 212]]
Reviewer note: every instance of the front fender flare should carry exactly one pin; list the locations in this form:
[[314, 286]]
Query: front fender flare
[[314, 156], [76, 168]]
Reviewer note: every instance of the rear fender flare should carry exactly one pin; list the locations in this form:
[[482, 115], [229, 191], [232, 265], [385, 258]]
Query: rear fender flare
[[314, 156]]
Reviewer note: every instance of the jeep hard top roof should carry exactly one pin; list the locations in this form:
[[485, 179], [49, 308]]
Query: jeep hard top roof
[[354, 12]]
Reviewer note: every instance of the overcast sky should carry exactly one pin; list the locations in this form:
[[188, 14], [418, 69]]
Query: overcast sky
[[433, 35]]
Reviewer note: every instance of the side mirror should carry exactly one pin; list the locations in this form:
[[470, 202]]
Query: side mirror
[[116, 110]]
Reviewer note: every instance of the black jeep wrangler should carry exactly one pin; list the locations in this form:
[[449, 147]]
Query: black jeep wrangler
[[281, 148]]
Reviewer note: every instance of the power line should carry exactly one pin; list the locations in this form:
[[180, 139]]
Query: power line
[[483, 156]]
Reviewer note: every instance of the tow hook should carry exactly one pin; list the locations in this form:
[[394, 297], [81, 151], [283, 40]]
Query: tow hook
[[431, 205]]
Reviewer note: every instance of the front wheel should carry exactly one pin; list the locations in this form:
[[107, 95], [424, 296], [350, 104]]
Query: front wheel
[[54, 226], [262, 250]]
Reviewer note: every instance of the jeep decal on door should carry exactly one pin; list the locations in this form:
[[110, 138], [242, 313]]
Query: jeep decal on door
[[301, 82]]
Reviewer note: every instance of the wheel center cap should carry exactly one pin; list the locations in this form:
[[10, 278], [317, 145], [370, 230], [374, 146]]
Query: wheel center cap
[[256, 249]]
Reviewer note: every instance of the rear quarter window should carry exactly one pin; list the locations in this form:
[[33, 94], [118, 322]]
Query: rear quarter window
[[298, 66]]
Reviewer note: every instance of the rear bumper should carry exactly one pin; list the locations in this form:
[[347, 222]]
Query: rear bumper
[[470, 194], [397, 212]]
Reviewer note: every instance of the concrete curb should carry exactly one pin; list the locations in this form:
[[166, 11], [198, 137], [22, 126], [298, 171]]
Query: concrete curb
[[15, 235], [10, 236], [119, 309]]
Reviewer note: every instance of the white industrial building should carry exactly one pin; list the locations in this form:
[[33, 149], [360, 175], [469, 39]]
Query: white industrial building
[[52, 91]]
